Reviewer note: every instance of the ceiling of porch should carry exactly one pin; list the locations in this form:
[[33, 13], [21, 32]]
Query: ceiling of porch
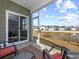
[[34, 5]]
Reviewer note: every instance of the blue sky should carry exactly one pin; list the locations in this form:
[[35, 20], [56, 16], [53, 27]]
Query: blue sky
[[61, 12]]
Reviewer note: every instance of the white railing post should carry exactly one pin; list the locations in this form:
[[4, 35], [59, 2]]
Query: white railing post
[[38, 40]]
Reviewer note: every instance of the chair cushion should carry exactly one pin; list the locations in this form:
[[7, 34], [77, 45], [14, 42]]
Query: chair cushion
[[6, 51], [57, 56]]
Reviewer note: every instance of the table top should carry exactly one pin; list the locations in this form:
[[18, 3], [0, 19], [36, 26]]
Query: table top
[[2, 41], [24, 55]]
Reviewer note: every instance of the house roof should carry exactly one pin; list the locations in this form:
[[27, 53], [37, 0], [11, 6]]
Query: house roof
[[33, 5]]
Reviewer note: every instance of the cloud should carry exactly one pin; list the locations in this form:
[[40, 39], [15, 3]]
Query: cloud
[[63, 5], [58, 4], [69, 5], [44, 9], [62, 11], [49, 16], [70, 17]]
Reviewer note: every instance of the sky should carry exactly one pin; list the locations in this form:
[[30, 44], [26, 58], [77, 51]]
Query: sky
[[60, 13]]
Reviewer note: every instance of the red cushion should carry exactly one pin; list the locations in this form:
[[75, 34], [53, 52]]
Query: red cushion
[[57, 56], [6, 51]]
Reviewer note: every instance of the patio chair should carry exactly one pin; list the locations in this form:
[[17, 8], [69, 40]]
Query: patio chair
[[46, 55], [6, 51]]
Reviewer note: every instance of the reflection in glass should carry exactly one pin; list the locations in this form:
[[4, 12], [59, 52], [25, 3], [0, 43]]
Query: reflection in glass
[[13, 28], [23, 28]]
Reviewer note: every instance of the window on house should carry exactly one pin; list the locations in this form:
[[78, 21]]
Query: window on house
[[35, 18]]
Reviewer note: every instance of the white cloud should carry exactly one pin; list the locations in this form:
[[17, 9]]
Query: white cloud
[[62, 11], [44, 9], [69, 4], [52, 16], [59, 1], [58, 4], [70, 17], [63, 5]]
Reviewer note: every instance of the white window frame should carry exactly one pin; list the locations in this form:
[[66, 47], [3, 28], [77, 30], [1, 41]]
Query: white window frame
[[38, 19], [6, 23]]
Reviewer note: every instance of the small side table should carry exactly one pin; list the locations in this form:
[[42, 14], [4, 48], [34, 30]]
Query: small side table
[[24, 55], [3, 42]]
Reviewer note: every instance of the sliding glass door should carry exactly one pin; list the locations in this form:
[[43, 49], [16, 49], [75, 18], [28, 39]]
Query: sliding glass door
[[17, 28]]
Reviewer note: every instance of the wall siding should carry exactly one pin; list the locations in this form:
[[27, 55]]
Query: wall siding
[[9, 5]]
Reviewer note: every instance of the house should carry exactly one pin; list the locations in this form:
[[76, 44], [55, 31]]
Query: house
[[46, 28], [61, 28], [56, 28], [35, 28], [68, 28], [73, 28], [42, 27], [16, 21], [51, 28]]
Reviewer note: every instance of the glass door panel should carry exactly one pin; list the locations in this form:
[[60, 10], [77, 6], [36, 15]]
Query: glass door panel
[[23, 28], [13, 28]]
